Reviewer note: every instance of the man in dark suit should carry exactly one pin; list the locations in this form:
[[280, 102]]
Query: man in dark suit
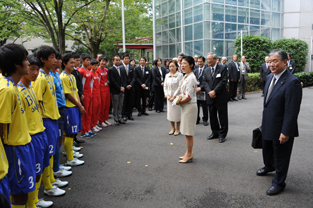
[[129, 100], [117, 78], [234, 77], [198, 71], [152, 92], [142, 84], [291, 64], [264, 71], [215, 79], [282, 100], [158, 74], [224, 60]]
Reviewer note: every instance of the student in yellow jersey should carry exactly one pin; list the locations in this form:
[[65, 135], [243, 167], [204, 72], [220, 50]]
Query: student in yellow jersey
[[13, 126], [48, 108], [36, 130], [74, 108]]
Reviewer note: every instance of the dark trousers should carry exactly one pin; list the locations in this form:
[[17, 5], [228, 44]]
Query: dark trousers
[[159, 98], [204, 110], [141, 96], [276, 156], [151, 99], [219, 125], [263, 86], [128, 103], [233, 89]]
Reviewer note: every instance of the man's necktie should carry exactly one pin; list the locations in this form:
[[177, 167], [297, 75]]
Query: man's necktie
[[266, 65], [213, 71], [270, 88], [200, 72], [143, 71], [118, 70], [236, 66]]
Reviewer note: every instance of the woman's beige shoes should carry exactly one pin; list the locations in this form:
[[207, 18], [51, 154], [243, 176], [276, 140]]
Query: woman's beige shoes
[[189, 160], [171, 132], [176, 133]]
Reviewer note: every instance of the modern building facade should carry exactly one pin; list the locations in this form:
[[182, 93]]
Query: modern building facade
[[202, 26]]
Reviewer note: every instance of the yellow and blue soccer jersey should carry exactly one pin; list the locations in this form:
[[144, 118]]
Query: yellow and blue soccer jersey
[[1, 76], [69, 87], [15, 129], [4, 166], [31, 104], [46, 95]]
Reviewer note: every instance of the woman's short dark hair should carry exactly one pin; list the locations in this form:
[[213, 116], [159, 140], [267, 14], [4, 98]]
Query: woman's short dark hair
[[10, 56], [93, 62], [174, 62], [190, 60], [84, 56], [33, 60], [44, 52], [66, 58], [159, 59], [103, 58]]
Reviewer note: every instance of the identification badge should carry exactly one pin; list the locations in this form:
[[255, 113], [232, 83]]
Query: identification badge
[[290, 67], [174, 81], [105, 83], [147, 72], [198, 82], [147, 88]]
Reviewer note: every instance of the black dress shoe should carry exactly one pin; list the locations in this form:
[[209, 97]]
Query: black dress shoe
[[213, 136], [145, 113], [162, 111], [125, 118], [78, 140], [244, 97], [150, 109], [231, 100], [139, 114], [205, 123], [198, 120], [263, 171], [131, 118], [274, 190], [222, 139], [158, 111], [235, 99], [121, 121]]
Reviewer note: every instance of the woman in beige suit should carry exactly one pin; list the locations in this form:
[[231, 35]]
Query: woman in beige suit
[[171, 85], [188, 104]]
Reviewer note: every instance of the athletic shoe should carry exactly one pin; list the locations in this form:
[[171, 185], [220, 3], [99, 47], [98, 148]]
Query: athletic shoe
[[65, 167], [75, 162], [94, 129], [59, 183], [43, 203], [103, 124], [55, 191], [77, 155], [62, 173], [99, 128], [92, 133], [76, 149], [87, 135], [108, 123]]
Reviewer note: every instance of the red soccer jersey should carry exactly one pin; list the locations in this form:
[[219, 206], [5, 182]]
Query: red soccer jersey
[[96, 84], [86, 80], [103, 74]]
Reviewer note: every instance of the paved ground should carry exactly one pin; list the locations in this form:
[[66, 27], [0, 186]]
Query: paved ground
[[136, 165]]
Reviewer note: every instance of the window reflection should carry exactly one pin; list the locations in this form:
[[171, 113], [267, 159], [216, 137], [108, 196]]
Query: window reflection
[[230, 31], [188, 16], [217, 12], [189, 48], [188, 33], [254, 17], [217, 47], [243, 15], [217, 30], [198, 31], [230, 14], [198, 47], [198, 13]]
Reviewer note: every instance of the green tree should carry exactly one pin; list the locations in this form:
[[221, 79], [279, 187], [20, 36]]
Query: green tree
[[299, 50]]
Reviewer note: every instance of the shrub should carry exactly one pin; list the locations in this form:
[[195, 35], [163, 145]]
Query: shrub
[[254, 83], [299, 50], [306, 78]]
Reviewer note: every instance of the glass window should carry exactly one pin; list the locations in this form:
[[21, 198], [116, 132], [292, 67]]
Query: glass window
[[217, 47], [230, 31], [243, 3], [276, 5], [157, 12], [254, 17], [266, 4], [266, 32], [171, 6], [158, 26], [265, 18], [243, 15], [178, 5], [207, 30], [195, 2], [198, 13], [178, 35], [164, 9], [158, 51], [275, 34], [255, 4], [230, 14], [276, 20], [255, 30], [178, 19], [188, 16], [164, 37], [217, 12], [188, 32], [171, 34], [178, 49], [218, 30], [165, 23], [218, 1], [207, 12], [158, 38], [198, 47], [198, 31], [171, 21], [244, 28], [206, 47], [187, 3], [231, 2], [172, 51], [229, 48], [189, 48], [165, 51]]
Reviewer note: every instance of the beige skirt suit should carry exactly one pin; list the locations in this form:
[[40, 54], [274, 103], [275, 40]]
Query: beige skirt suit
[[171, 84], [188, 88]]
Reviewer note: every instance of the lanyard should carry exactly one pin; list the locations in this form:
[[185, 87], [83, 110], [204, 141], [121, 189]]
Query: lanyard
[[87, 71]]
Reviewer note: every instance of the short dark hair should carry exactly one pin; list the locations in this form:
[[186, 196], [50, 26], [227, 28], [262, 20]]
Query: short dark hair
[[190, 60], [93, 62], [181, 54], [166, 61], [132, 60], [33, 60], [143, 58], [103, 58], [281, 53], [289, 54], [125, 54], [174, 62], [154, 62], [76, 55], [44, 52], [114, 57], [159, 59], [84, 56], [10, 56], [66, 58], [201, 57], [58, 55]]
